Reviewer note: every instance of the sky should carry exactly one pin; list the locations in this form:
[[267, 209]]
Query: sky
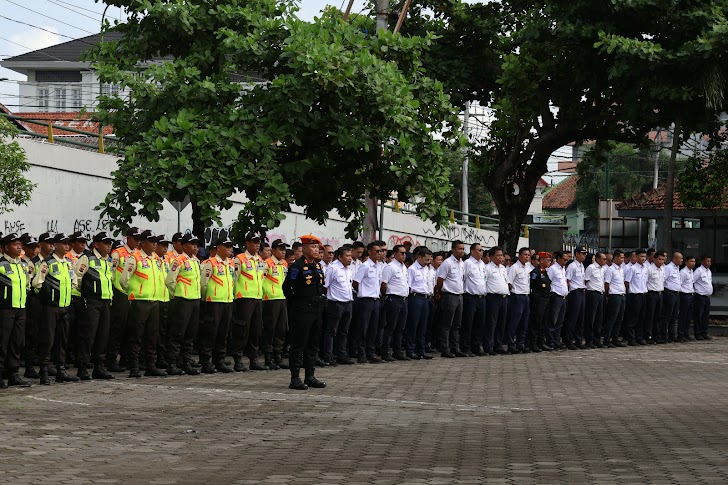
[[57, 21]]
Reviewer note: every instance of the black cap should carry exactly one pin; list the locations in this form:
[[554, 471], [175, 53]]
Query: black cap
[[278, 243], [103, 237], [252, 236], [29, 240], [188, 238], [116, 244], [223, 241], [10, 238], [177, 237], [580, 249], [164, 240], [78, 236], [60, 237], [149, 235], [45, 237], [133, 232]]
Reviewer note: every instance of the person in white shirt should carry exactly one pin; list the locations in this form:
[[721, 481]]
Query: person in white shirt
[[671, 298], [635, 278], [594, 307], [614, 300], [686, 300], [339, 307], [473, 302], [496, 302], [366, 282], [557, 300], [395, 290], [450, 288], [357, 250], [703, 284], [327, 256], [653, 301], [519, 309], [575, 300], [422, 287]]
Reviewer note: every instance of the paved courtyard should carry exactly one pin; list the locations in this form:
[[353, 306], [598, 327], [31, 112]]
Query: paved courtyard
[[654, 414]]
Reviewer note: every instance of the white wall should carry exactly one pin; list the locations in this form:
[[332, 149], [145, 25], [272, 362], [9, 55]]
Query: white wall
[[71, 182]]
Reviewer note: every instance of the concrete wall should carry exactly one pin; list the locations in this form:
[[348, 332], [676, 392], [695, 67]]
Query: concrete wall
[[72, 182]]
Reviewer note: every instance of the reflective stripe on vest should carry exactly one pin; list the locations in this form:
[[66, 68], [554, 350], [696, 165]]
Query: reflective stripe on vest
[[250, 280], [220, 285], [97, 281], [123, 254], [273, 277], [56, 289], [73, 259], [13, 284], [164, 272], [144, 281], [188, 278]]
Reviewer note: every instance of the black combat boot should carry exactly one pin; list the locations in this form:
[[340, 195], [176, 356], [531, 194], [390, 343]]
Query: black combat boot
[[296, 382], [44, 378], [112, 366], [63, 376], [99, 372], [270, 363], [279, 360], [15, 380], [82, 373], [221, 366], [161, 363], [239, 366], [311, 381], [207, 367], [30, 372], [255, 365], [152, 370], [173, 370], [134, 367], [189, 369]]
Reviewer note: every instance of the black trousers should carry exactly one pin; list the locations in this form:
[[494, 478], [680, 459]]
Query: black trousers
[[183, 324], [574, 318], [653, 315], [616, 305], [701, 305], [538, 319], [165, 310], [78, 306], [635, 321], [368, 320], [473, 322], [304, 337], [670, 314], [214, 328], [338, 318], [32, 314], [557, 310], [93, 331], [686, 314], [451, 308], [12, 337], [495, 320], [143, 329], [593, 316], [52, 327], [247, 326], [396, 308], [119, 317], [275, 326]]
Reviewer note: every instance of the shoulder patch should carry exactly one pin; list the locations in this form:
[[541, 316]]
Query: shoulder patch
[[293, 274]]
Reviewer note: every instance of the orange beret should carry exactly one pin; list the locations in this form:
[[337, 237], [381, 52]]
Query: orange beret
[[309, 239], [544, 254]]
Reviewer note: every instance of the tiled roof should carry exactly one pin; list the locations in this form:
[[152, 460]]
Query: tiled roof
[[654, 200], [71, 51], [542, 183], [561, 196], [72, 120]]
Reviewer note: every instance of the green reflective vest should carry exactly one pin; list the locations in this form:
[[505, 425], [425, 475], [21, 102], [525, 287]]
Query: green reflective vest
[[188, 278], [250, 280], [220, 285], [13, 283], [273, 277], [56, 289], [123, 254], [97, 282], [147, 281]]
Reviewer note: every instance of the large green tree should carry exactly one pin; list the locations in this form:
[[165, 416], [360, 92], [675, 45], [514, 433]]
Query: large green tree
[[338, 113], [555, 72], [15, 189]]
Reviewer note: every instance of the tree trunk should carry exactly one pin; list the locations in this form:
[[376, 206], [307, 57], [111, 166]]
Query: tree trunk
[[512, 210], [670, 189], [198, 225]]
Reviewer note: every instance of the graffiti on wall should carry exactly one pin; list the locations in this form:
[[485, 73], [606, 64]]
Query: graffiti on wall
[[441, 239]]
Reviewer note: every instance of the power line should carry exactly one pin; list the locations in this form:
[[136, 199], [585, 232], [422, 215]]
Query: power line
[[68, 7], [49, 17], [79, 7], [36, 27]]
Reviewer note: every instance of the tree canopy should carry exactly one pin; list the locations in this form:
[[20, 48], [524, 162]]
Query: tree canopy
[[15, 189], [337, 112]]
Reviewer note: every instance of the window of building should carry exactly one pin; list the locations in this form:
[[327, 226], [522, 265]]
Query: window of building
[[110, 89], [76, 99], [58, 76], [44, 99], [60, 96]]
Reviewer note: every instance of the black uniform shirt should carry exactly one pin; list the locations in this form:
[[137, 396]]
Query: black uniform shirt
[[304, 280], [540, 282]]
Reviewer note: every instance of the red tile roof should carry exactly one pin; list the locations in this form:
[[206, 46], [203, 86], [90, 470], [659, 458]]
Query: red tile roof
[[72, 120], [542, 183], [654, 200], [561, 196]]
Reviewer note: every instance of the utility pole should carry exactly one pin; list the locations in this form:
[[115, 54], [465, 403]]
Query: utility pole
[[670, 188], [464, 196], [652, 237]]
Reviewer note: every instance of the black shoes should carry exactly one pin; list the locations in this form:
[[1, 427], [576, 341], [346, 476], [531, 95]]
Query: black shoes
[[188, 369], [222, 367], [311, 381], [412, 356], [15, 380], [571, 346], [208, 368], [270, 363], [99, 372], [426, 356], [400, 356], [112, 366], [373, 359], [388, 358], [239, 366], [63, 376], [320, 362], [458, 353], [278, 359], [44, 378], [255, 365], [173, 370], [362, 359], [31, 373], [82, 373], [296, 382], [344, 360], [447, 354], [153, 371]]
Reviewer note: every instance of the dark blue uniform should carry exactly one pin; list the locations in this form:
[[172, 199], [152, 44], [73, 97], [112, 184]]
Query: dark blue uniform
[[540, 289], [304, 287]]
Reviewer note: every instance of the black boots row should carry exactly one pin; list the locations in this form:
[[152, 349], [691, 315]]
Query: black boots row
[[309, 381], [14, 379]]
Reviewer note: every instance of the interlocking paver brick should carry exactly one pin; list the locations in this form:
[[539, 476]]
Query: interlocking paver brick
[[648, 414]]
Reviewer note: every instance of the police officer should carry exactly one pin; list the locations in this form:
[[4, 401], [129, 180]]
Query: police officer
[[275, 310], [78, 248], [304, 285], [217, 282], [120, 302], [248, 305], [177, 249], [540, 285], [14, 286], [54, 279], [143, 279], [31, 250], [94, 279], [183, 282], [165, 304]]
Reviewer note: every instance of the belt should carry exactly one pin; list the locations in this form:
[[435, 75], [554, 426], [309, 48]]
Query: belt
[[595, 291], [579, 289], [686, 293], [423, 295], [671, 291], [474, 296], [497, 295], [368, 298], [558, 296], [453, 294], [658, 292], [397, 297]]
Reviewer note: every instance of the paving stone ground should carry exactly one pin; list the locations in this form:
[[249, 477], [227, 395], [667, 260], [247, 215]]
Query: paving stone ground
[[656, 414]]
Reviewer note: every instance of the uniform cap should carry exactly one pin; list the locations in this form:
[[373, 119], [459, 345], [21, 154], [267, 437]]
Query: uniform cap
[[78, 236], [544, 254], [45, 237], [149, 235], [223, 241], [133, 232], [252, 236], [278, 243], [580, 249], [309, 239], [60, 237], [10, 238], [29, 241], [103, 237], [188, 238], [177, 236], [164, 240], [116, 244]]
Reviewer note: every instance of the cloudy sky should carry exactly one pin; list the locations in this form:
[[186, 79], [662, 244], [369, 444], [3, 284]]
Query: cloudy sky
[[29, 25]]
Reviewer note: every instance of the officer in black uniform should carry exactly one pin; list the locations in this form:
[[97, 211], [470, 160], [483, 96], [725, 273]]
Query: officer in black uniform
[[304, 287], [540, 289]]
